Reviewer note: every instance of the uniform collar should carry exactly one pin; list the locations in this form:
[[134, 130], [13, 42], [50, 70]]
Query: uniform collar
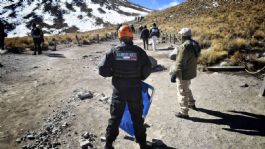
[[126, 43]]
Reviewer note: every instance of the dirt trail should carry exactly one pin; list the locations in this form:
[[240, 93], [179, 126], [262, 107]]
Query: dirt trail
[[35, 88]]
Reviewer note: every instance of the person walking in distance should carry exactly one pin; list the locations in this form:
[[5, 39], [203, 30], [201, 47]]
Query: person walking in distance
[[184, 70], [2, 36], [140, 29], [132, 28], [36, 35], [128, 65], [145, 37], [154, 34]]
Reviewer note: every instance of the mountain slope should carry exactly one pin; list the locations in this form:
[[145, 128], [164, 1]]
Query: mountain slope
[[222, 27], [57, 16]]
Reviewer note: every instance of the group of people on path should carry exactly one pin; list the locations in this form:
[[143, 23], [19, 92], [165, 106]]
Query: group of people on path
[[153, 33], [145, 34], [129, 65]]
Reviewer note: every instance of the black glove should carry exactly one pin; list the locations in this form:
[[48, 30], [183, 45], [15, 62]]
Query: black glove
[[173, 78]]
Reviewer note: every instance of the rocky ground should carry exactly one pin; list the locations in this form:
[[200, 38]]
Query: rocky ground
[[58, 100]]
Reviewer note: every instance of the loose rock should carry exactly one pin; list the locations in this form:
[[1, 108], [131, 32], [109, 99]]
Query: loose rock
[[85, 56], [18, 140], [245, 85], [31, 137], [86, 135], [84, 144], [103, 139], [85, 95], [153, 61], [104, 99], [65, 124]]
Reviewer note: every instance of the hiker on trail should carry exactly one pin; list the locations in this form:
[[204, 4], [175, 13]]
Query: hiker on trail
[[184, 70], [154, 34], [2, 36], [145, 37], [36, 35], [117, 29], [132, 28], [140, 29], [128, 65]]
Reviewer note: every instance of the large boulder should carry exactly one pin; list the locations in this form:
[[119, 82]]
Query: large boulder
[[153, 62]]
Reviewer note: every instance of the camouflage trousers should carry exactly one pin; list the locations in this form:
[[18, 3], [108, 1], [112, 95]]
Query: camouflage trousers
[[185, 96]]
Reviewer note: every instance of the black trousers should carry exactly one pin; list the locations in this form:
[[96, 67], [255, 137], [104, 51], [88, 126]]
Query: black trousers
[[133, 97], [2, 43], [37, 45], [145, 41]]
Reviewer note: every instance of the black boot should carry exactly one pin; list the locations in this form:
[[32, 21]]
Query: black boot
[[147, 145]]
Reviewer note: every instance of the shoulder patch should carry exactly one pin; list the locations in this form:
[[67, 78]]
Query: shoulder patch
[[126, 56]]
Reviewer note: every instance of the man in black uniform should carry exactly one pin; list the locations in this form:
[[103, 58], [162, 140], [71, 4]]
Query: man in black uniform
[[127, 64], [36, 35], [145, 37], [2, 35]]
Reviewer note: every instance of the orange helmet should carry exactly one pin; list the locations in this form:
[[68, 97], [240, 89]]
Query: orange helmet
[[125, 31]]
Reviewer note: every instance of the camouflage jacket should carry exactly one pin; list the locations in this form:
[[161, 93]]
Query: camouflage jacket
[[186, 60]]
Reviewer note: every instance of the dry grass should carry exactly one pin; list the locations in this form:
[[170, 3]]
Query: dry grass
[[20, 44], [221, 31], [231, 27], [210, 56], [237, 58]]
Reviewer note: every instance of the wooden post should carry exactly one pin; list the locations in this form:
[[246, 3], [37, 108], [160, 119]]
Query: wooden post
[[169, 38], [262, 90], [97, 38], [166, 38], [106, 36], [174, 39]]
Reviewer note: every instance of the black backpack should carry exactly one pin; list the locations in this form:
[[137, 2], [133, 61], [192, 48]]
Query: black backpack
[[36, 32], [197, 48]]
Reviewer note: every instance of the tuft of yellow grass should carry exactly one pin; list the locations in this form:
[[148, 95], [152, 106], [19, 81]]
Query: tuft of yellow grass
[[237, 58], [238, 44], [211, 56]]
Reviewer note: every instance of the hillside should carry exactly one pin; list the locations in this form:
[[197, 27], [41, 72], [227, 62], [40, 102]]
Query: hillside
[[221, 27], [64, 16]]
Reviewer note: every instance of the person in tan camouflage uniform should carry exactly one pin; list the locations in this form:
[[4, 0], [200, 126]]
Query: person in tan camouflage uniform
[[184, 70]]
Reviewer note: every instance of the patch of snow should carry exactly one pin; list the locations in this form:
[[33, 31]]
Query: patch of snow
[[71, 18], [130, 10], [21, 30]]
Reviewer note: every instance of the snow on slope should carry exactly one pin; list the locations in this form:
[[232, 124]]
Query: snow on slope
[[60, 16]]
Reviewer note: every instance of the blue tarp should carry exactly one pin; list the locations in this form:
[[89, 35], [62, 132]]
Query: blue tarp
[[126, 122]]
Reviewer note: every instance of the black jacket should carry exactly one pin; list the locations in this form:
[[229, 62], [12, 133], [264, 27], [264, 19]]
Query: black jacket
[[2, 32], [145, 34], [126, 72]]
